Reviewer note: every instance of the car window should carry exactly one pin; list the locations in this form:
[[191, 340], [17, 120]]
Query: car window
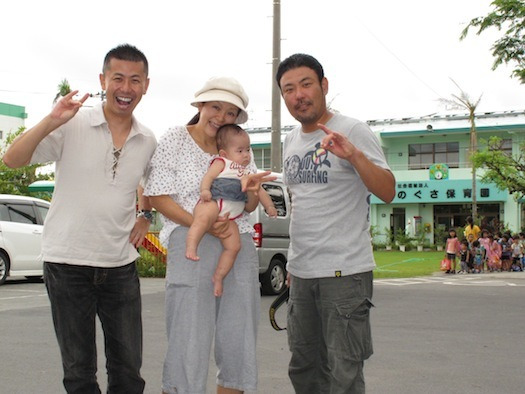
[[43, 212], [22, 213], [277, 195], [4, 213]]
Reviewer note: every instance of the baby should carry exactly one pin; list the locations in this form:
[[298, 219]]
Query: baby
[[221, 194]]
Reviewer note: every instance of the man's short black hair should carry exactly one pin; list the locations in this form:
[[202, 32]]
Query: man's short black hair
[[125, 52], [296, 61]]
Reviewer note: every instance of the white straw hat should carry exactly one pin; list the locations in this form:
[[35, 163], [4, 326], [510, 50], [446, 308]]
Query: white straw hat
[[224, 89]]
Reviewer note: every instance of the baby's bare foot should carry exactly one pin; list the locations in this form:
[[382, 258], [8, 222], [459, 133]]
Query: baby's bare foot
[[192, 255], [217, 287]]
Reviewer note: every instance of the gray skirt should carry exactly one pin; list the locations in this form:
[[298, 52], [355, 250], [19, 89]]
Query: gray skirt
[[194, 317]]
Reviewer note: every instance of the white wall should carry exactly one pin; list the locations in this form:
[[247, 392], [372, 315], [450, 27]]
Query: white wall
[[9, 124]]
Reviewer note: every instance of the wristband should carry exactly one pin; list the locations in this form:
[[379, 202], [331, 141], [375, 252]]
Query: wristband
[[146, 215]]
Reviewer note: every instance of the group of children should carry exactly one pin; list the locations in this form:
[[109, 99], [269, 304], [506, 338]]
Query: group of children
[[492, 253]]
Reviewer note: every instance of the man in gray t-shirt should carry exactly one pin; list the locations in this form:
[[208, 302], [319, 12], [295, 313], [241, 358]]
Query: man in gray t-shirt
[[332, 164]]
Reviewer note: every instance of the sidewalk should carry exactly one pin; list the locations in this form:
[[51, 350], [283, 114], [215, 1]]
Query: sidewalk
[[486, 274]]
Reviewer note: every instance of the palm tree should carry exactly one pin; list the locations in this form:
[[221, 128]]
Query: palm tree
[[463, 101], [63, 89]]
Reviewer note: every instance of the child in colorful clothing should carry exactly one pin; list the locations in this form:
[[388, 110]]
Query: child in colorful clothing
[[522, 243], [484, 243], [506, 253], [493, 255], [464, 257], [452, 250], [470, 261], [470, 240], [478, 252], [517, 254], [221, 195]]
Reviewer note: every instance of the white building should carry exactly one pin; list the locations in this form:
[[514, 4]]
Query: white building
[[11, 119]]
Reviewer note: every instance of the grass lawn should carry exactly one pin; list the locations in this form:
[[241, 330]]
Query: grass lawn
[[395, 264], [390, 264]]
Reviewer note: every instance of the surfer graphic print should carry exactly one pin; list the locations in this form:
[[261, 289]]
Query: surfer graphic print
[[308, 168]]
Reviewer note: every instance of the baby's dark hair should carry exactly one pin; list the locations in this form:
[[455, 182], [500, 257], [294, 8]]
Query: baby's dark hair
[[225, 132], [464, 242], [475, 243]]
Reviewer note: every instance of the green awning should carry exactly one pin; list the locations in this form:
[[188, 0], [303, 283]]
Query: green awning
[[42, 186]]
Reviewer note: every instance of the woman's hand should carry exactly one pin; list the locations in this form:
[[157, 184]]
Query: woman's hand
[[221, 228]]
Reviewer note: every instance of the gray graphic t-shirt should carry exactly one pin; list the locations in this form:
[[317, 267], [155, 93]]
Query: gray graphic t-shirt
[[330, 222]]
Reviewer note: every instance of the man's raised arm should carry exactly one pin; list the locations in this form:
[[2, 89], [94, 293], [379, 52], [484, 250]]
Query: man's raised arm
[[21, 150]]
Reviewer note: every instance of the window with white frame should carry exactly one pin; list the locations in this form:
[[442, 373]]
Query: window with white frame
[[422, 156], [263, 158]]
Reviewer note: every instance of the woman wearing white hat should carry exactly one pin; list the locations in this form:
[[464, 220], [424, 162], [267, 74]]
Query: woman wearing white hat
[[194, 316]]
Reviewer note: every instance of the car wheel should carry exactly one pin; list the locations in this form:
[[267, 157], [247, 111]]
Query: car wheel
[[4, 267], [274, 280]]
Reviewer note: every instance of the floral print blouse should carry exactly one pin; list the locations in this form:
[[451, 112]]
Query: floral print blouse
[[176, 169]]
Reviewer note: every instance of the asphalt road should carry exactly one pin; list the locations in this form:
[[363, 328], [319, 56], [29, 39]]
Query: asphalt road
[[442, 334]]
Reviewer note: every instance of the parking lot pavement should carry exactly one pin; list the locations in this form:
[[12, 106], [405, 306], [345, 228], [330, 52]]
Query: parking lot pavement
[[448, 334], [19, 294], [485, 279], [461, 334], [28, 342]]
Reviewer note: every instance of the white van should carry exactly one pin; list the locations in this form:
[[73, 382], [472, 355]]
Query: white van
[[21, 225], [272, 238]]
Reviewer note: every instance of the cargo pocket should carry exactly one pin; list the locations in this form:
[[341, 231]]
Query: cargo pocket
[[352, 339]]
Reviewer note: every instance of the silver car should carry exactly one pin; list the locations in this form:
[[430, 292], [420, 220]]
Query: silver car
[[272, 238], [21, 224]]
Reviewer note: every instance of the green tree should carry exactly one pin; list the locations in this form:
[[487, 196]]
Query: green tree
[[509, 16], [464, 101], [17, 180], [506, 171], [63, 89]]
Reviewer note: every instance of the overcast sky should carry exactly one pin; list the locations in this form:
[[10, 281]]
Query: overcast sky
[[383, 58]]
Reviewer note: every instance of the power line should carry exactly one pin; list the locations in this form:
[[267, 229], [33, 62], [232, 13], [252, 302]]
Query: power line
[[398, 59]]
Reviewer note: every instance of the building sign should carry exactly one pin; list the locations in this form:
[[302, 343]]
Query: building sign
[[438, 172], [447, 191]]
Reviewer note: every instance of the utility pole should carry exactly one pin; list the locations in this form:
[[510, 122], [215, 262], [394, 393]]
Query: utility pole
[[473, 150], [276, 94]]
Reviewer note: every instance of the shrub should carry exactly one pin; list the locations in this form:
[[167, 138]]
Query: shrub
[[150, 265]]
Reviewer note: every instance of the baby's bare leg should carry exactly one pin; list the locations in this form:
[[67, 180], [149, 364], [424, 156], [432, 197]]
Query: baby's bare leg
[[231, 247], [204, 215]]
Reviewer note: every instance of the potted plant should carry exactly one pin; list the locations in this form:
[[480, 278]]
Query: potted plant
[[402, 239], [389, 234], [440, 234], [420, 238], [374, 232]]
